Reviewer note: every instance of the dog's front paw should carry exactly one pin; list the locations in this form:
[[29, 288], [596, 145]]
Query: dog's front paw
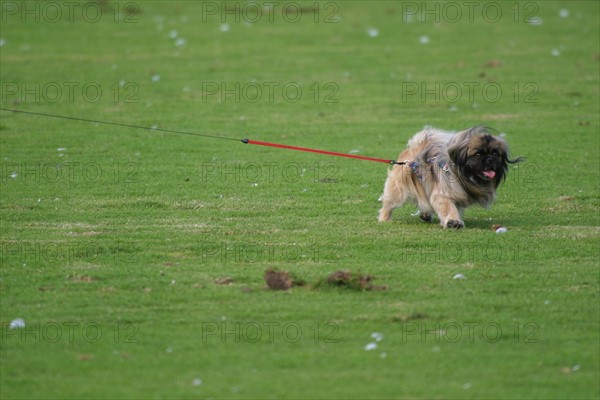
[[454, 223]]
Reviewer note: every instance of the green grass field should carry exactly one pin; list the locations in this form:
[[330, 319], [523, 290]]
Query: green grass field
[[117, 242]]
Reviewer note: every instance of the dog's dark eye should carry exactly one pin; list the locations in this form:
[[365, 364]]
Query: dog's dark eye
[[478, 155], [495, 152]]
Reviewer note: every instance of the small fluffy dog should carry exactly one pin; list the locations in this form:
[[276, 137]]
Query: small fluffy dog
[[446, 172]]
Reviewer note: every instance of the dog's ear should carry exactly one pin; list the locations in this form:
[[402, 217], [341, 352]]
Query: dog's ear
[[458, 147], [504, 162], [505, 153], [502, 148]]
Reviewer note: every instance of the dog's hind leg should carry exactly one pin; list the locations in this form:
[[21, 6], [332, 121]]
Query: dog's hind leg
[[393, 194], [425, 210]]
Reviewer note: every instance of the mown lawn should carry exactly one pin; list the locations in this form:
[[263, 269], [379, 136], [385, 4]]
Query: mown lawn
[[136, 257]]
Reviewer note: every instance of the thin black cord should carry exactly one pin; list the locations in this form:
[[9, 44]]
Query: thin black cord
[[245, 140], [118, 124]]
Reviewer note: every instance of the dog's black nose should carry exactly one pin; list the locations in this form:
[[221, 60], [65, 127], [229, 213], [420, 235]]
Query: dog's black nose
[[490, 160]]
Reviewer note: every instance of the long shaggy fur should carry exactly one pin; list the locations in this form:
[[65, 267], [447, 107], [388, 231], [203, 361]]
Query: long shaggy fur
[[446, 172]]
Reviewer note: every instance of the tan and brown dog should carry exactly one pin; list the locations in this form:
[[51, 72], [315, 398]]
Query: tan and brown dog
[[443, 173]]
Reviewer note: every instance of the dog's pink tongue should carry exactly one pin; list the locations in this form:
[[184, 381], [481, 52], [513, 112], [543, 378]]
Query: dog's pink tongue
[[489, 174]]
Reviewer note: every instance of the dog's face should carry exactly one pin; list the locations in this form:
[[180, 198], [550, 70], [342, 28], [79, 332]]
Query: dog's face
[[481, 158], [486, 160]]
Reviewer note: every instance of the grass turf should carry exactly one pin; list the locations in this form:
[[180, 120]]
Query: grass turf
[[112, 238]]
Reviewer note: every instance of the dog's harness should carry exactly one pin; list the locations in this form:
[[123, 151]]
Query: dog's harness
[[415, 166], [443, 165]]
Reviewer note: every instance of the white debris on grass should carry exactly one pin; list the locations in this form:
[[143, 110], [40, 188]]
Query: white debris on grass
[[377, 336], [424, 39], [371, 346], [373, 32], [535, 21], [17, 323], [459, 276], [224, 27]]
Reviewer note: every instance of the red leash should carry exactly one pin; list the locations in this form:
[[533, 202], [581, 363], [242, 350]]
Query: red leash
[[329, 153]]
